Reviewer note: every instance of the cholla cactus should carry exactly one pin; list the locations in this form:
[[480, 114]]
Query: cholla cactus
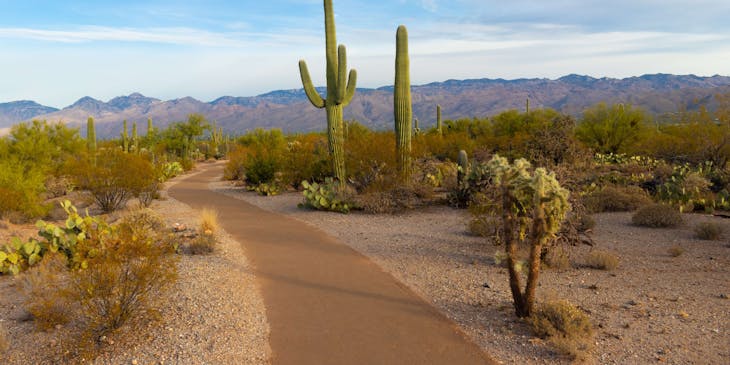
[[533, 207]]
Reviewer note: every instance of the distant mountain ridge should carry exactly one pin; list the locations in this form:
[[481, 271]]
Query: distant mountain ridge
[[290, 110]]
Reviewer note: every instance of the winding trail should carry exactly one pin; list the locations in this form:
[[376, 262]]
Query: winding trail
[[325, 302]]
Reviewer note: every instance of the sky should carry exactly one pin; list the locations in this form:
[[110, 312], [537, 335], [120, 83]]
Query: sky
[[55, 52]]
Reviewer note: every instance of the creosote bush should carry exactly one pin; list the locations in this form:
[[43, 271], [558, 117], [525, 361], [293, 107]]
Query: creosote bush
[[566, 327], [708, 231], [616, 199], [119, 276], [557, 258], [657, 216], [115, 177], [602, 260]]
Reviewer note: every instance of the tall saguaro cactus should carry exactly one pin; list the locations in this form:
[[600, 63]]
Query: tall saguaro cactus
[[402, 103], [340, 90], [439, 125], [90, 135], [135, 138], [125, 137]]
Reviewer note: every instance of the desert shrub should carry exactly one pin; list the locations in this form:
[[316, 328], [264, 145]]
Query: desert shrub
[[44, 292], [187, 164], [566, 327], [115, 177], [202, 244], [557, 258], [657, 216], [209, 221], [147, 194], [329, 195], [396, 199], [366, 165], [602, 260], [235, 168], [616, 199], [708, 231], [21, 189], [675, 251], [265, 151], [121, 275], [125, 282], [307, 158]]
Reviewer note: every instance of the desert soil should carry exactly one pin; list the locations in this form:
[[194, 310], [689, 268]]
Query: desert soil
[[654, 308], [215, 314]]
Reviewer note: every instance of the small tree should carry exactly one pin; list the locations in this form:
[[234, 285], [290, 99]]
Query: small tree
[[611, 129], [532, 206]]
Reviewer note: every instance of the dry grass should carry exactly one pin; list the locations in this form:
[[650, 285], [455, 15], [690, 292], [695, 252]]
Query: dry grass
[[209, 221], [657, 216], [708, 231], [203, 244], [4, 346], [565, 326], [602, 260], [675, 251], [557, 258]]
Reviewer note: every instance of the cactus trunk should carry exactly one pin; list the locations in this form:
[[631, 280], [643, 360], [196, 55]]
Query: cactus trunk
[[402, 104], [439, 126], [463, 161], [125, 137], [340, 91], [135, 138], [90, 134]]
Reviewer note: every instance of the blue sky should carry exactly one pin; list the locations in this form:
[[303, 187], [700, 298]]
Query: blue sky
[[56, 52]]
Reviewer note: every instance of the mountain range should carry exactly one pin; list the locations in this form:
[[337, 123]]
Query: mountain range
[[291, 111]]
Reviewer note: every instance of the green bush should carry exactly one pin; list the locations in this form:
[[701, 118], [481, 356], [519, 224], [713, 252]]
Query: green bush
[[115, 177], [21, 189], [657, 216]]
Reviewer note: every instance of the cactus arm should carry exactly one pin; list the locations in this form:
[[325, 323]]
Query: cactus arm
[[309, 89], [341, 73], [351, 84]]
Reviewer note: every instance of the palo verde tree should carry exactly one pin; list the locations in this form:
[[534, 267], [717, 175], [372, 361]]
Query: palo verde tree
[[402, 106], [340, 90], [532, 206], [611, 129]]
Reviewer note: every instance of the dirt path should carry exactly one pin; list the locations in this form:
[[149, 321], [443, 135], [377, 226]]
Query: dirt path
[[326, 303]]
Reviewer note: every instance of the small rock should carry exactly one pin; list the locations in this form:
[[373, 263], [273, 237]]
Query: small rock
[[485, 285], [134, 362], [723, 296], [683, 314]]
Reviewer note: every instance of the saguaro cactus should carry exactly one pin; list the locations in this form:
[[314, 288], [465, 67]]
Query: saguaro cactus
[[150, 128], [439, 126], [135, 138], [402, 103], [90, 135], [125, 137], [340, 90]]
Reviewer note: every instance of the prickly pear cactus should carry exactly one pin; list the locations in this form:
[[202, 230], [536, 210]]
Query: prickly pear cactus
[[326, 196]]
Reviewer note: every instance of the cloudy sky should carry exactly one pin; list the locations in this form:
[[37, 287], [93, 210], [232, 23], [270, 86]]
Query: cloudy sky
[[55, 52]]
